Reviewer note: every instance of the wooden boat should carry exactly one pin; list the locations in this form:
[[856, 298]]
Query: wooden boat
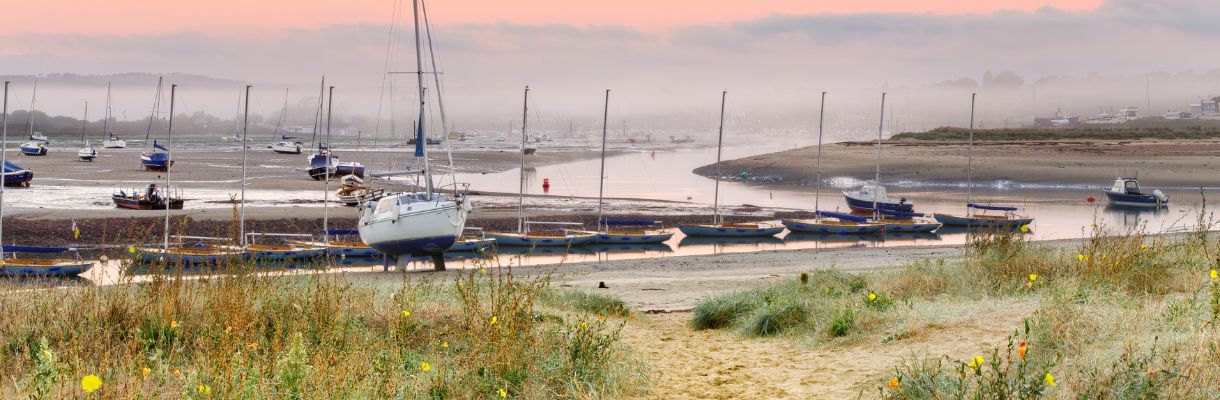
[[1009, 218], [905, 222], [153, 198], [892, 216], [1126, 192], [541, 239], [16, 175], [187, 255], [337, 244], [718, 227], [833, 223], [14, 266]]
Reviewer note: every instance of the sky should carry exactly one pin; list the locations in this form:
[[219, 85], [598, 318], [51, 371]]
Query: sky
[[656, 55]]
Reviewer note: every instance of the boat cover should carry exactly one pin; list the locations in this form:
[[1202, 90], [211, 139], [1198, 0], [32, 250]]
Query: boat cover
[[33, 249], [842, 216], [993, 208]]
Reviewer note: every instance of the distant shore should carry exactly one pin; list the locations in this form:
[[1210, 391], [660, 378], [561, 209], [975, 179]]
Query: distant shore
[[1161, 163]]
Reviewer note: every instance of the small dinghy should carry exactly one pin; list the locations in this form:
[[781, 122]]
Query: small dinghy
[[628, 231], [829, 222], [35, 267], [16, 175], [1126, 192], [153, 198], [33, 149], [542, 239], [894, 221], [194, 254]]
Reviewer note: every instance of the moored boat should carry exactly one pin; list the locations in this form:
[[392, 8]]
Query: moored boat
[[829, 222], [862, 198], [349, 168], [541, 239], [34, 149], [16, 175], [287, 147], [322, 163], [36, 267], [153, 198], [1126, 192], [155, 157]]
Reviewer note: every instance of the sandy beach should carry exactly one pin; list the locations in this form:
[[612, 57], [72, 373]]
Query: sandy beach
[[1161, 163]]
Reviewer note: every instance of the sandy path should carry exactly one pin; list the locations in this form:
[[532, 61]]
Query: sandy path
[[723, 365]]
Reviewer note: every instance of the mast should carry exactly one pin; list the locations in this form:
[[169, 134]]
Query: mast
[[601, 176], [151, 118], [29, 116], [525, 106], [326, 182], [719, 146], [106, 124], [970, 158], [3, 164], [440, 101], [877, 175], [818, 192], [245, 125], [169, 160], [421, 145], [283, 113], [83, 123], [317, 117]]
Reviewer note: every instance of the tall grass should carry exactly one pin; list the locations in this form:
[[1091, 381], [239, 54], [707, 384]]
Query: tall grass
[[310, 337]]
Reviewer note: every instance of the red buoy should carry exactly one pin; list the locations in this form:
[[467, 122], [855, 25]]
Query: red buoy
[[1090, 199], [546, 185]]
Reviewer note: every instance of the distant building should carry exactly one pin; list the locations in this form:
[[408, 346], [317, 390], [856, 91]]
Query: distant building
[[1205, 108]]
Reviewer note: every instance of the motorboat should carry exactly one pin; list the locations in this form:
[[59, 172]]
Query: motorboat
[[1127, 192], [152, 198]]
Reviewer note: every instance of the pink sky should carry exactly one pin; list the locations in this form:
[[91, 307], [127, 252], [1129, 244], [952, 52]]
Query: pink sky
[[125, 17]]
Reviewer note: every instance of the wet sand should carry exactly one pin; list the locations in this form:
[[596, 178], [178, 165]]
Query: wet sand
[[1160, 163]]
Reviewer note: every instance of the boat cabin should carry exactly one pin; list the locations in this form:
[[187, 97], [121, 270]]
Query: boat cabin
[[1126, 186]]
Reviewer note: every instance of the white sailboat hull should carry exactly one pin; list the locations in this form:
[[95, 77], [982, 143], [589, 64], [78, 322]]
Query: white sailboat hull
[[397, 227], [286, 148], [114, 144]]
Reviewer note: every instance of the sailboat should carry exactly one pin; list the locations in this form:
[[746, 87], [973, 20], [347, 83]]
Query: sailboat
[[87, 151], [286, 145], [322, 162], [718, 228], [25, 266], [180, 254], [112, 141], [973, 217], [150, 158], [628, 231], [892, 218], [37, 146], [419, 223], [523, 236], [871, 196], [828, 222]]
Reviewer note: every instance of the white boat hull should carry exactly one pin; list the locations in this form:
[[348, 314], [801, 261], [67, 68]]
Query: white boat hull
[[114, 144], [286, 148], [414, 228]]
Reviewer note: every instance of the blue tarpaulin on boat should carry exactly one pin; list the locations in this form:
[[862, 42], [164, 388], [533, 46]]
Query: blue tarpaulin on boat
[[9, 166], [842, 216], [33, 249], [993, 208], [900, 213], [629, 222], [342, 232]]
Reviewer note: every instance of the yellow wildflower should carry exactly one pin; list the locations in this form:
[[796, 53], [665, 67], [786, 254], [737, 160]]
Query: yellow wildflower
[[131, 249], [893, 383], [173, 324], [976, 363], [1214, 275], [176, 373], [424, 366], [203, 389], [872, 296], [1080, 257], [406, 313], [502, 392], [583, 325], [483, 271], [90, 383], [494, 320], [1143, 246], [1033, 277], [1049, 379], [444, 345], [253, 345], [146, 371], [228, 329]]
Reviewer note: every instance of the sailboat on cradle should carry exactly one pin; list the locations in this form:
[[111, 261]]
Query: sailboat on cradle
[[25, 266], [417, 223], [718, 228], [828, 222], [87, 152], [976, 214], [286, 144], [111, 141], [626, 231], [37, 146], [893, 219], [523, 237], [152, 159]]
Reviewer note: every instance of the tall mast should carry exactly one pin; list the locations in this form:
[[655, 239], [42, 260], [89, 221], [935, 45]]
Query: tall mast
[[245, 125], [3, 164], [421, 144], [317, 119], [84, 122], [719, 146], [106, 124], [283, 114], [877, 175], [152, 118], [326, 182], [440, 101], [970, 158], [29, 116], [169, 160], [525, 106], [817, 196], [601, 176]]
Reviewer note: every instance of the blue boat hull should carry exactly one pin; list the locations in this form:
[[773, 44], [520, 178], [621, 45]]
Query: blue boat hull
[[416, 247], [34, 151], [727, 231], [858, 205], [1134, 200], [18, 179], [26, 271], [953, 220], [345, 170], [796, 225], [155, 162]]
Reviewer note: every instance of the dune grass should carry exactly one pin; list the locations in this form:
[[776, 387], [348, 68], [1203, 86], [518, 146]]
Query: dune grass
[[481, 335], [1122, 315]]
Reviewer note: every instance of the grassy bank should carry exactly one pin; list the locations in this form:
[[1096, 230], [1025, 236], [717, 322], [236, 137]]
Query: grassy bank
[[1042, 134], [484, 334], [1121, 316]]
